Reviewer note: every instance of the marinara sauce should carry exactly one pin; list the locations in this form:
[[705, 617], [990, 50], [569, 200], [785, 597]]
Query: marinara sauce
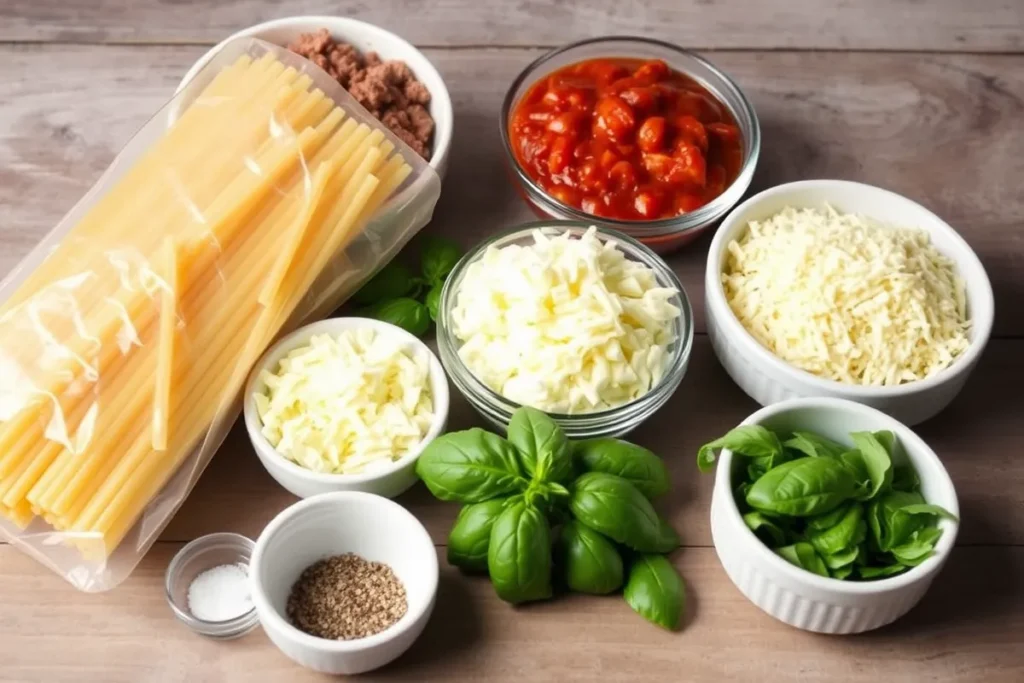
[[626, 138]]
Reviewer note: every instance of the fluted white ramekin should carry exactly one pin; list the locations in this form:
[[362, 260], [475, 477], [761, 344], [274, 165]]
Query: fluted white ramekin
[[796, 596], [767, 378]]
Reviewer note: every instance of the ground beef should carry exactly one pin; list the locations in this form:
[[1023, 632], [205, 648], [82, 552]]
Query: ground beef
[[387, 89]]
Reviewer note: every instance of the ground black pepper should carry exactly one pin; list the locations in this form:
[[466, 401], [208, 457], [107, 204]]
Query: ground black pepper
[[345, 597]]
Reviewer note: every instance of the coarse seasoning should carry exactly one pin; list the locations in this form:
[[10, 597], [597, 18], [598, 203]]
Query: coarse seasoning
[[345, 597]]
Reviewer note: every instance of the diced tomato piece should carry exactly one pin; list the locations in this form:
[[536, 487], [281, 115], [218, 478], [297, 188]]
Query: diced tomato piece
[[564, 194], [590, 205], [694, 166], [716, 182], [651, 136], [606, 73], [541, 117], [652, 71], [566, 123], [561, 152], [641, 99], [623, 176], [724, 131], [608, 159], [647, 204], [614, 118], [588, 171], [582, 151], [691, 130], [676, 170], [685, 203]]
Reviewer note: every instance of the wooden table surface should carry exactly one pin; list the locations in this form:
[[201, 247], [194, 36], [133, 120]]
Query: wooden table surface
[[924, 97]]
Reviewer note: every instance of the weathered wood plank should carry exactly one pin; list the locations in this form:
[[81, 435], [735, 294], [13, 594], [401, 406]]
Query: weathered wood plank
[[944, 130], [965, 629], [936, 25]]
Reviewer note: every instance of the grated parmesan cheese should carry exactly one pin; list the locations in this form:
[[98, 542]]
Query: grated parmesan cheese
[[347, 404], [564, 325], [846, 298]]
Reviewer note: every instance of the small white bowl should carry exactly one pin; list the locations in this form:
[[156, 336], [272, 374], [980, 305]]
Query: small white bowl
[[767, 378], [391, 479], [799, 597], [366, 38], [372, 527]]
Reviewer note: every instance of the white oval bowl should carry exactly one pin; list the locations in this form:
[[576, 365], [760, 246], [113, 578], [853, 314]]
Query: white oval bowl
[[767, 378], [391, 479], [377, 529], [796, 596], [366, 38]]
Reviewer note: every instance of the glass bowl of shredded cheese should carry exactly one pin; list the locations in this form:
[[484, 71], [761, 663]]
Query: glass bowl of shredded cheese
[[836, 288], [345, 404], [582, 322]]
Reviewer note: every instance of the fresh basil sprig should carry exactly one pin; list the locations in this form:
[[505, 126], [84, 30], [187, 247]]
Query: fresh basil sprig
[[396, 296], [846, 512], [544, 512]]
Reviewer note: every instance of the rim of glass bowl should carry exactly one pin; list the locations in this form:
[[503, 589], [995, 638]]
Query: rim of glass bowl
[[720, 85], [623, 417]]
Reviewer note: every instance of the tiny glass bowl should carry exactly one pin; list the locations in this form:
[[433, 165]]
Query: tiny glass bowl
[[666, 234], [614, 422], [195, 558]]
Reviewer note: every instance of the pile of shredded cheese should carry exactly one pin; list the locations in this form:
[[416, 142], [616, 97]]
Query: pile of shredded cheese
[[347, 404], [564, 325], [846, 298]]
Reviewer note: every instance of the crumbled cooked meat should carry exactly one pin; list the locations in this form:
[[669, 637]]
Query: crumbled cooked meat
[[387, 89]]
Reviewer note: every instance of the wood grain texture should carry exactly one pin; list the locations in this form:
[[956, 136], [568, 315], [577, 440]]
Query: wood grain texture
[[950, 25], [965, 629], [941, 129]]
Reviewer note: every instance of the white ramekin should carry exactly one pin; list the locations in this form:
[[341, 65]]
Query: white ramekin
[[390, 480], [767, 378], [801, 598], [366, 38], [370, 526]]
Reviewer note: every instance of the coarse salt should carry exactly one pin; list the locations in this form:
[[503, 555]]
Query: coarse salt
[[220, 594]]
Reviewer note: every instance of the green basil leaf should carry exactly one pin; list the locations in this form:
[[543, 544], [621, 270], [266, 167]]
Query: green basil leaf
[[928, 509], [805, 487], [904, 478], [471, 534], [519, 554], [470, 467], [842, 572], [758, 466], [829, 519], [390, 282], [750, 440], [848, 532], [841, 560], [876, 458], [542, 445], [668, 537], [814, 445], [770, 533], [637, 465], [896, 527], [589, 561], [881, 572], [655, 591], [433, 301], [439, 258], [409, 314], [803, 555], [614, 507]]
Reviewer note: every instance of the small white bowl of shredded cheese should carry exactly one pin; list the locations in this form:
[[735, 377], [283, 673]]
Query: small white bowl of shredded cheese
[[836, 288], [579, 321], [345, 404]]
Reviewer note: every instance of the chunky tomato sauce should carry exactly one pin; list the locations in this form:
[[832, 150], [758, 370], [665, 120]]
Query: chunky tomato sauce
[[626, 139]]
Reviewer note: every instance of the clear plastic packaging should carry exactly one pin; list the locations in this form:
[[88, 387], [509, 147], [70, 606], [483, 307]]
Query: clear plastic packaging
[[260, 196]]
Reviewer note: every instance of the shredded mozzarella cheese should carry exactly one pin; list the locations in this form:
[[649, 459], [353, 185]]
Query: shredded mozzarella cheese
[[564, 325], [347, 404], [847, 298]]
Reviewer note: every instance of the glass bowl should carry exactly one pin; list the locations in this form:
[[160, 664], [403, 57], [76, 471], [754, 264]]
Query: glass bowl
[[205, 553], [614, 422], [666, 234]]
